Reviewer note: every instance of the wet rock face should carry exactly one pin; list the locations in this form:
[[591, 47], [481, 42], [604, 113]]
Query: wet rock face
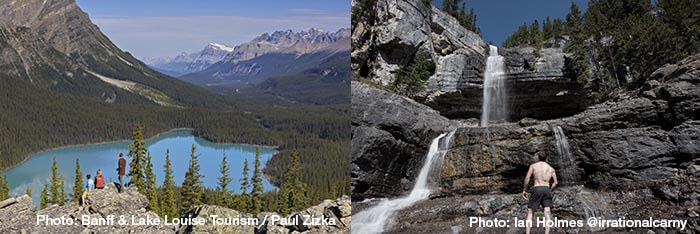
[[536, 84], [339, 210], [390, 135]]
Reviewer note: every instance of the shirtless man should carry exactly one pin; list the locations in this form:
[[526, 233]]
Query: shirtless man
[[542, 192]]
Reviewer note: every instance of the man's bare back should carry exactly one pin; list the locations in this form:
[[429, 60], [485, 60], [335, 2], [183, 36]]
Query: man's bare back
[[541, 195]]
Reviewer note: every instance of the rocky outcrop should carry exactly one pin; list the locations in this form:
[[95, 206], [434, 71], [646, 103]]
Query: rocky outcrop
[[338, 210], [19, 215], [400, 30], [390, 134]]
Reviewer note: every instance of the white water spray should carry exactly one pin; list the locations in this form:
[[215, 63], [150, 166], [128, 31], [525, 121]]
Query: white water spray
[[568, 169], [375, 219], [493, 105]]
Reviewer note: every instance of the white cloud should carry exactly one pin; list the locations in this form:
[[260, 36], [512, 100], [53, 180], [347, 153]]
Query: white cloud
[[169, 36]]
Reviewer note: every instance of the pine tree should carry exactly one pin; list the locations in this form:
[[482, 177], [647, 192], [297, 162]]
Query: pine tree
[[573, 20], [463, 18], [224, 180], [557, 27], [245, 184], [151, 185], [57, 193], [28, 191], [535, 35], [78, 185], [472, 22], [450, 7], [547, 29], [191, 192], [44, 199], [167, 202], [293, 192], [256, 195], [4, 186], [137, 153]]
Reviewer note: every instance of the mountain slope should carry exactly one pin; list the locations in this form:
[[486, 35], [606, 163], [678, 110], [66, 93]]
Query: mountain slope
[[53, 44], [276, 54]]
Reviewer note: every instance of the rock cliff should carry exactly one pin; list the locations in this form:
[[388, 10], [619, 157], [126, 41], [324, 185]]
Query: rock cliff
[[635, 156], [19, 215]]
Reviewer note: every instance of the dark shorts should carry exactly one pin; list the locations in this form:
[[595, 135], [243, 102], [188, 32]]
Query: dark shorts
[[541, 195]]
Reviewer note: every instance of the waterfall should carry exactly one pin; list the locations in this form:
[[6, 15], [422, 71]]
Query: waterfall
[[376, 218], [566, 161], [493, 105]]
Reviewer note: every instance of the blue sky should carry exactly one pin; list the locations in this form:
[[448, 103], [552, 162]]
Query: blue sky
[[157, 28], [499, 18]]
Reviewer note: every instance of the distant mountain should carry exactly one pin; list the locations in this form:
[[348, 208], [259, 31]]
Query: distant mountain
[[277, 54], [187, 63], [53, 44]]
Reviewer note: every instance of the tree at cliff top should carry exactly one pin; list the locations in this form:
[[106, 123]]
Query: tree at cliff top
[[468, 21], [167, 199], [137, 153], [4, 186], [293, 192], [44, 197], [28, 191], [57, 194], [630, 39], [256, 202], [224, 180], [191, 191], [151, 185], [532, 36], [78, 184], [412, 78]]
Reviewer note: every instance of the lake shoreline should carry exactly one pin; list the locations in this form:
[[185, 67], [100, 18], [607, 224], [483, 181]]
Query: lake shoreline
[[115, 141]]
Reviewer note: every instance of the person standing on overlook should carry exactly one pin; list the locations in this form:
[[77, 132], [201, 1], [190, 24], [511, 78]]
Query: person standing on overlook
[[121, 170]]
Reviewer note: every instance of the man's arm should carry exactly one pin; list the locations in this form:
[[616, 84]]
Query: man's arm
[[554, 184], [527, 181]]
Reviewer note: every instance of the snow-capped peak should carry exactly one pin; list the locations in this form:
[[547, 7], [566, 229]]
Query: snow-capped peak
[[220, 47]]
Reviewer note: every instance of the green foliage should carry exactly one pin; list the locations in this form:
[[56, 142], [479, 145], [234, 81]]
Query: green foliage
[[167, 198], [57, 194], [44, 199], [78, 185], [362, 11], [28, 191], [137, 153], [293, 192], [532, 36], [256, 202], [412, 78], [224, 179], [151, 186], [468, 21], [4, 186], [191, 192]]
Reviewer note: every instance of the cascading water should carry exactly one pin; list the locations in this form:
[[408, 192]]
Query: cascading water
[[376, 218], [493, 105], [568, 168]]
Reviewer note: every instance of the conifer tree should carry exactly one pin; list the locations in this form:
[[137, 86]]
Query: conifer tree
[[256, 195], [28, 191], [293, 192], [167, 202], [57, 193], [44, 197], [191, 193], [78, 185], [573, 20], [245, 184], [472, 22], [535, 35], [4, 186], [557, 29], [463, 18], [151, 185], [241, 202], [137, 153], [547, 29], [224, 180]]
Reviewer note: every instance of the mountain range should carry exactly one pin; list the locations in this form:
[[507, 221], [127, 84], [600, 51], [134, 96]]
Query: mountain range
[[189, 62], [53, 44]]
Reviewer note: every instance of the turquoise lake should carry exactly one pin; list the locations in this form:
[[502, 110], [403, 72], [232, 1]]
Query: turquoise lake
[[36, 171]]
